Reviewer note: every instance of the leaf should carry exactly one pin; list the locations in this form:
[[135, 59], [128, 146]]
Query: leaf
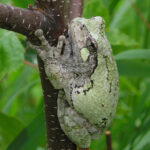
[[95, 8], [138, 109], [20, 85], [113, 5], [32, 136], [133, 68], [117, 38], [106, 3], [119, 14], [11, 52], [134, 54], [22, 3], [9, 127], [5, 1]]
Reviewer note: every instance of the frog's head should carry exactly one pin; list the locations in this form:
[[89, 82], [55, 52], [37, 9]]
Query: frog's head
[[95, 26], [85, 34]]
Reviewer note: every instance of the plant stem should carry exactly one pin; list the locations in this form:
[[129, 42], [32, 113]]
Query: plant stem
[[108, 140]]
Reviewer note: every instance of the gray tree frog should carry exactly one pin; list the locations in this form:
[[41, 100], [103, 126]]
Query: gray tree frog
[[83, 68]]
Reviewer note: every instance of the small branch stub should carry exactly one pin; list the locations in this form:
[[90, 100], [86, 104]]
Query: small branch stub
[[108, 140]]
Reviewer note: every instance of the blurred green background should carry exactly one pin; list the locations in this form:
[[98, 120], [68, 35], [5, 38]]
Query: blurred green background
[[21, 103]]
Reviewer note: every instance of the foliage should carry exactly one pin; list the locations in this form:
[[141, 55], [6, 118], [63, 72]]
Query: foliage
[[21, 104]]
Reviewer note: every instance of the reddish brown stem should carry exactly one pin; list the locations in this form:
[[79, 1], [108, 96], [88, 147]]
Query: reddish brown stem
[[108, 140], [30, 64]]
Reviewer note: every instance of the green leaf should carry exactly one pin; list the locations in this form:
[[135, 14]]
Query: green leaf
[[5, 1], [11, 52], [134, 54], [22, 3], [118, 38], [120, 14], [32, 136], [95, 8], [113, 5], [133, 68], [10, 128], [106, 3], [138, 110]]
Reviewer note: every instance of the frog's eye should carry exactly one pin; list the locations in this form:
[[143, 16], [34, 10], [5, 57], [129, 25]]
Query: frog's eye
[[91, 44]]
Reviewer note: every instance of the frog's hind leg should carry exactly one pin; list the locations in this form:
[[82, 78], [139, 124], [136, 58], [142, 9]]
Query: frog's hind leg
[[76, 131]]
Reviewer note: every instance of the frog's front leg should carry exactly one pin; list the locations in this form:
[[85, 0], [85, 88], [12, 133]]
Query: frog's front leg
[[45, 51]]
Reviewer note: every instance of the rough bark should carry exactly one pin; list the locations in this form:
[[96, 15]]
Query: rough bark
[[51, 16], [24, 21], [56, 139]]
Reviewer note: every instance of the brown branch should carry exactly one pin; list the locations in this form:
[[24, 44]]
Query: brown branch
[[75, 9], [50, 16], [108, 140], [56, 139], [55, 10], [24, 21], [139, 13]]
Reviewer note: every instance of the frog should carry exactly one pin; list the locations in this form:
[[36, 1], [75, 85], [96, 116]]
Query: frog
[[83, 68]]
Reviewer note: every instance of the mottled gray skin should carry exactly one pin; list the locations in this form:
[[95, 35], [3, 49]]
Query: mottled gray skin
[[83, 68]]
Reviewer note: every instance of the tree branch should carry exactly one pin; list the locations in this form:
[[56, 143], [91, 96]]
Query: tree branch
[[75, 9], [56, 139], [24, 21], [50, 16]]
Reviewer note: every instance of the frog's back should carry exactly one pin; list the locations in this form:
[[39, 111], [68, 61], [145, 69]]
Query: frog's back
[[102, 96], [101, 99]]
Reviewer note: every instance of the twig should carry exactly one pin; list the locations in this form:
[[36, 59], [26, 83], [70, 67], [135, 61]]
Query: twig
[[139, 13], [4, 77], [108, 140], [31, 64]]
